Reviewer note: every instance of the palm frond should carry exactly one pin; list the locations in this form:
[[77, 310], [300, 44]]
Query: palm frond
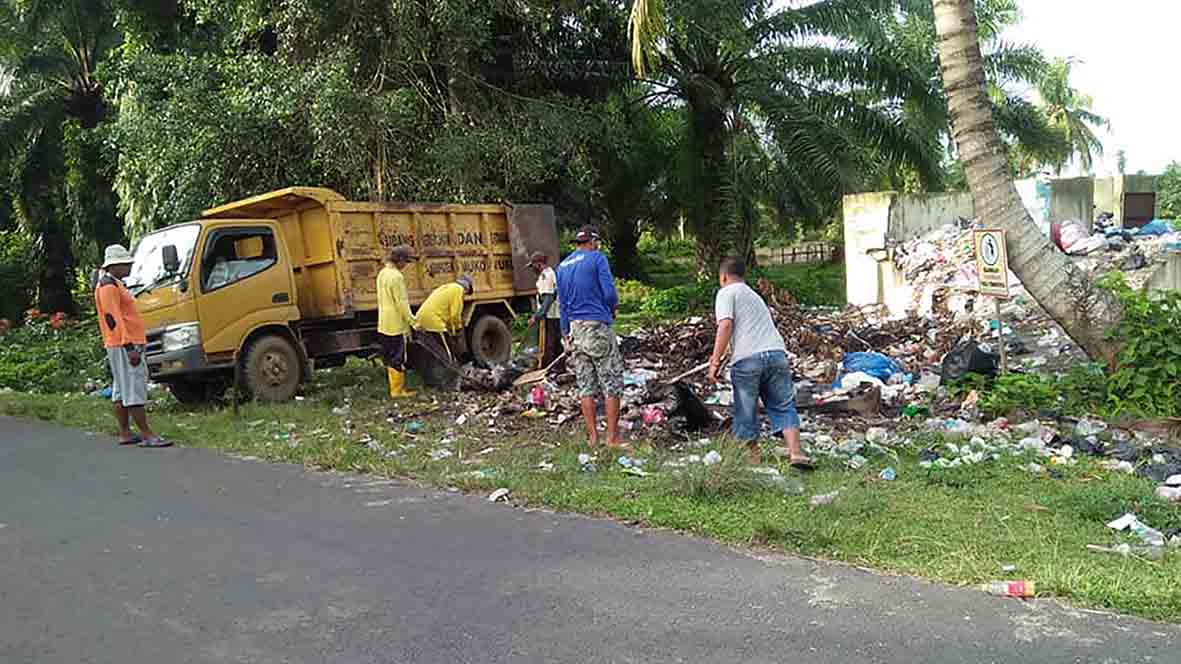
[[645, 27], [859, 71], [1007, 62], [826, 19]]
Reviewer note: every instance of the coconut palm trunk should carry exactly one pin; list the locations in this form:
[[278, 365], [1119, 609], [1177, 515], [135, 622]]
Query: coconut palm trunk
[[1085, 312]]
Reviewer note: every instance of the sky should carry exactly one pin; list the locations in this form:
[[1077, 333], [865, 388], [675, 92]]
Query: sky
[[1127, 53]]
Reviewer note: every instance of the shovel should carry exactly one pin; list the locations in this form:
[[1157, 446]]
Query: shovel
[[537, 375]]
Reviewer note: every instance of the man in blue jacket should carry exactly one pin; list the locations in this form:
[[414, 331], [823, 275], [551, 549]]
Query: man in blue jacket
[[586, 290]]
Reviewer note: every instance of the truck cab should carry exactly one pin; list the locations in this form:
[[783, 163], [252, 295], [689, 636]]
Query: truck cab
[[261, 291]]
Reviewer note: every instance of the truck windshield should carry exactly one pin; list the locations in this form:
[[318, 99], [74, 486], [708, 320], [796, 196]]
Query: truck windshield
[[148, 271]]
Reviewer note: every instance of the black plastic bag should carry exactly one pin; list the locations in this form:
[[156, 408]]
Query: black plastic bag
[[968, 357]]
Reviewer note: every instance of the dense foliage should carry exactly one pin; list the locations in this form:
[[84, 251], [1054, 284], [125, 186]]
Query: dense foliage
[[755, 117], [51, 355]]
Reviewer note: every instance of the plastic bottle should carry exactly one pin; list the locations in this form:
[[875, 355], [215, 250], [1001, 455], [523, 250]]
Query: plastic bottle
[[537, 396], [1010, 588]]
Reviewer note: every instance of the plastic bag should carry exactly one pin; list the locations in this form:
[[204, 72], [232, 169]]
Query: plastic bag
[[968, 357], [1155, 227], [875, 365]]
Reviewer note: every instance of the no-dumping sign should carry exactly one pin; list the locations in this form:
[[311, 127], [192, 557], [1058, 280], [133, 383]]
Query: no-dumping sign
[[992, 262]]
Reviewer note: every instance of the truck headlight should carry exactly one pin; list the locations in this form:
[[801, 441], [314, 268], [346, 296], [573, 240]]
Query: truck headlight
[[178, 337]]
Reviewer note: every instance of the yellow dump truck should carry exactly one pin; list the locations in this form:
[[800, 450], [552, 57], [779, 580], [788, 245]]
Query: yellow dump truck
[[263, 290]]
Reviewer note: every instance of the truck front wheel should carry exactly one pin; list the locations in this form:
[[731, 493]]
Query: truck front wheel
[[491, 341], [271, 369], [195, 393]]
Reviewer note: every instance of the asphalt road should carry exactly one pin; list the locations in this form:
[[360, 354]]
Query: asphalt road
[[182, 555]]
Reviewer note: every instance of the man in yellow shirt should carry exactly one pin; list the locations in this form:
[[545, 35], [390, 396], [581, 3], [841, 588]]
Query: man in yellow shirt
[[394, 318], [441, 320]]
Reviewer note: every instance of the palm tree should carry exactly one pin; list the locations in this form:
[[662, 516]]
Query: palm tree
[[1010, 69], [797, 85], [1083, 311], [1070, 113], [51, 51]]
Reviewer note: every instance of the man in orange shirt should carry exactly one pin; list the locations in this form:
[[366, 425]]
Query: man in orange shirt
[[123, 335]]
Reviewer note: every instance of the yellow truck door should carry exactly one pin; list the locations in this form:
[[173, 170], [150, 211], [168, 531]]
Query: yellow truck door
[[244, 281]]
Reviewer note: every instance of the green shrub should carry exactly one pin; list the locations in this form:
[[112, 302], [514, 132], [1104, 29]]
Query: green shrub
[[17, 273], [1168, 194], [632, 294], [680, 300], [1148, 380], [652, 246], [38, 358], [812, 285]]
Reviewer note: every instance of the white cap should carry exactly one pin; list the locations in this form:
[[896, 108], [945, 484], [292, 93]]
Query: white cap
[[117, 254]]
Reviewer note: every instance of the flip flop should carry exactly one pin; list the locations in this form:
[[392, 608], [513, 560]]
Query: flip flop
[[803, 464], [155, 442], [134, 440]]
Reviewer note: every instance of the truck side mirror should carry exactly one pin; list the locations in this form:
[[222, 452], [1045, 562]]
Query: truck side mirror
[[171, 259]]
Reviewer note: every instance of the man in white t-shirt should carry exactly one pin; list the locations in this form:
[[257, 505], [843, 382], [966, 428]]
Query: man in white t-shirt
[[547, 309], [758, 364]]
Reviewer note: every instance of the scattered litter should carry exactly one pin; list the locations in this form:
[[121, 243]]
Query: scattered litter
[[1021, 589], [415, 427], [440, 454], [1127, 550], [888, 474], [856, 462], [1009, 568], [498, 495], [712, 458], [824, 498]]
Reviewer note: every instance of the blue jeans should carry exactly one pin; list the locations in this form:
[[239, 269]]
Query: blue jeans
[[766, 375]]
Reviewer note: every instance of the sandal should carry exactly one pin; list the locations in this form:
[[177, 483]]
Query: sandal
[[155, 442], [803, 463], [134, 440]]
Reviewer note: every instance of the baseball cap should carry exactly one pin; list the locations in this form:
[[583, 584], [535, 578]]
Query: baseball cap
[[587, 234]]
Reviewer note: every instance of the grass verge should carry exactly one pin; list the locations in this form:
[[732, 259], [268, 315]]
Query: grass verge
[[961, 525]]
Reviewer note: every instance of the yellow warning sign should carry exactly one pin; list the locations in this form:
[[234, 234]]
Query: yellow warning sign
[[992, 262]]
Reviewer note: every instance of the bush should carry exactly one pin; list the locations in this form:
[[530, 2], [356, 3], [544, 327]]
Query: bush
[[812, 285], [632, 295], [652, 246], [680, 300], [48, 355], [1168, 195], [17, 273], [1147, 381]]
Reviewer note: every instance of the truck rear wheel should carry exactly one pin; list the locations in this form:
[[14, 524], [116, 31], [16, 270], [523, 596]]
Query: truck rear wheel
[[491, 341], [271, 369]]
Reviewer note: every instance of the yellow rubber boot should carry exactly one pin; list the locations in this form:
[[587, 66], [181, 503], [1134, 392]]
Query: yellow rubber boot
[[398, 384]]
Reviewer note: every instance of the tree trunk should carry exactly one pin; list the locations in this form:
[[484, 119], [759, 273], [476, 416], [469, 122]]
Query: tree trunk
[[707, 216], [1085, 313], [625, 242], [55, 272]]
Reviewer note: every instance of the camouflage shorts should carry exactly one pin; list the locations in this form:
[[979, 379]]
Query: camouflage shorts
[[596, 359]]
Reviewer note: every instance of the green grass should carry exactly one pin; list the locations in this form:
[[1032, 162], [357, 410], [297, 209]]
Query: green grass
[[960, 525]]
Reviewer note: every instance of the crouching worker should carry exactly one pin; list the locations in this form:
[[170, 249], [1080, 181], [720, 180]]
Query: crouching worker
[[758, 364], [394, 319], [123, 336], [440, 321]]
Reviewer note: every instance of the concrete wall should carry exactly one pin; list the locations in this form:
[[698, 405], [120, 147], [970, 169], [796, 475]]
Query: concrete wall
[[1073, 198], [1085, 198], [875, 222], [1167, 276]]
